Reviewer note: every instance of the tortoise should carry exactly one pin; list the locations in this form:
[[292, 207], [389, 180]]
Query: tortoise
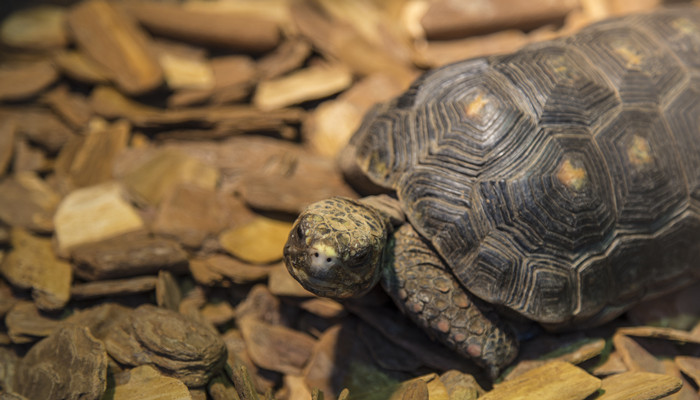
[[560, 183]]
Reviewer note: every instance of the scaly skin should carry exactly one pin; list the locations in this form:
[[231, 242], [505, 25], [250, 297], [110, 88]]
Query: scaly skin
[[341, 248], [430, 295]]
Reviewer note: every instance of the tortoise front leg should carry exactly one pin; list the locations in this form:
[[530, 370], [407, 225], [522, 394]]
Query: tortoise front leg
[[422, 287]]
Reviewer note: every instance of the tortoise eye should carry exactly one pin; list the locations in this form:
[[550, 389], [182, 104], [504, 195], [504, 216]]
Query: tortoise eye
[[300, 231]]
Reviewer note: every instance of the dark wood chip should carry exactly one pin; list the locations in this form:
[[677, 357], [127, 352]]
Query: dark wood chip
[[68, 362]]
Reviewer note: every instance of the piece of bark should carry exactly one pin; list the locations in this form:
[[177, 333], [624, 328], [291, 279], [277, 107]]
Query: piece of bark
[[127, 255], [19, 81], [449, 20], [9, 359], [415, 389], [293, 182], [8, 132], [41, 126], [25, 324], [117, 43], [89, 161], [184, 67], [636, 357], [344, 43], [690, 366], [146, 383], [27, 201], [230, 30], [93, 214], [460, 385], [29, 158], [636, 385], [7, 299], [434, 54], [236, 119], [221, 388], [32, 264], [281, 283], [167, 169], [82, 68], [577, 355], [191, 213], [258, 242], [554, 380], [329, 128], [613, 365], [261, 305], [312, 83], [323, 307], [237, 271], [659, 333], [287, 57], [68, 362], [168, 294], [115, 287], [173, 343], [72, 107], [276, 347], [203, 274], [218, 314], [36, 28]]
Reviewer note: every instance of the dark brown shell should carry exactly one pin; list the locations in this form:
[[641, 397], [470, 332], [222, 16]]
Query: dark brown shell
[[562, 181]]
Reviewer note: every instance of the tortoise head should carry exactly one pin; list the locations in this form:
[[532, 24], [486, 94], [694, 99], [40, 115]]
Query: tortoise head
[[336, 248]]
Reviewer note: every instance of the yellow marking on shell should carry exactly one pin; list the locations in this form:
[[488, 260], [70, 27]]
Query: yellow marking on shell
[[684, 26], [562, 68], [632, 57], [571, 176], [476, 106], [639, 152]]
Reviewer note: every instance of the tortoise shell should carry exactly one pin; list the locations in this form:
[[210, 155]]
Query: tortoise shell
[[561, 181]]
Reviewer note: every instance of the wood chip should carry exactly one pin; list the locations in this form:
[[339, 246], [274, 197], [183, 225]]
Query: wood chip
[[613, 365], [88, 161], [127, 255], [434, 54], [235, 119], [660, 333], [41, 126], [635, 357], [312, 83], [80, 67], [92, 214], [168, 294], [71, 107], [276, 347], [287, 57], [292, 182], [281, 283], [172, 342], [448, 20], [237, 271], [554, 380], [460, 385], [690, 366], [116, 287], [167, 169], [32, 264], [190, 214], [217, 28], [35, 28], [145, 382], [636, 385], [27, 201], [8, 129], [67, 362], [120, 46], [25, 324], [184, 67], [19, 81], [258, 242]]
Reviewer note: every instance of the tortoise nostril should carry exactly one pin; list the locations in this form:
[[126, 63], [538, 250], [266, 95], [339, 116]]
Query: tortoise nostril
[[316, 254]]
